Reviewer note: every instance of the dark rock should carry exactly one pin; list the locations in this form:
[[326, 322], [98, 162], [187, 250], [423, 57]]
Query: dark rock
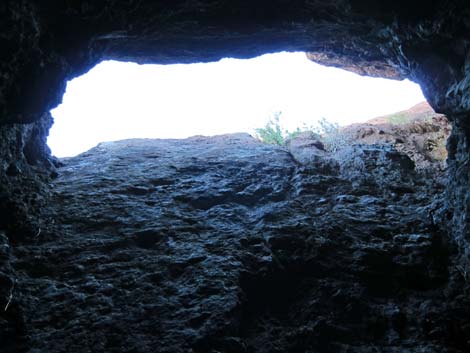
[[236, 252], [383, 267], [23, 177], [13, 169], [46, 44]]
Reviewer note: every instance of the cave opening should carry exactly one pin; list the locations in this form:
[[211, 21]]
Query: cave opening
[[118, 100], [226, 244]]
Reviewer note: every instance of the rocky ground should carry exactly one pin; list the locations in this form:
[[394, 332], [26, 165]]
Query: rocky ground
[[228, 245]]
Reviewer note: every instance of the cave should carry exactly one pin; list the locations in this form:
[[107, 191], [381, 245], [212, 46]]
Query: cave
[[230, 246], [126, 100]]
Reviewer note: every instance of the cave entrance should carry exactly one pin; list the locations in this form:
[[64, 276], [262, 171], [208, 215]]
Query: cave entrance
[[117, 100], [228, 234]]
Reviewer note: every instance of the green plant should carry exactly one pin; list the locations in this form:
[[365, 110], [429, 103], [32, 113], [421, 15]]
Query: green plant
[[326, 131], [273, 133]]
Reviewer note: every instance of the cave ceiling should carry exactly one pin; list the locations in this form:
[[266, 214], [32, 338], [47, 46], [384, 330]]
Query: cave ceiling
[[44, 44]]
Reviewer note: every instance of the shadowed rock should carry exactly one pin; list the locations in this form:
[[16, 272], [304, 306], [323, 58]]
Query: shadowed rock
[[235, 246], [307, 264]]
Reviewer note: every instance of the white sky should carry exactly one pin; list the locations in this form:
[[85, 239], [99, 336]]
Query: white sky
[[118, 100]]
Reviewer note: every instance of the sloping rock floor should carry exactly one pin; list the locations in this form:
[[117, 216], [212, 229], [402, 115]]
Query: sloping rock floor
[[227, 245]]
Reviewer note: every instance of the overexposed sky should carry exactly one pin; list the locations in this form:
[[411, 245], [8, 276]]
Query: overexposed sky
[[118, 100]]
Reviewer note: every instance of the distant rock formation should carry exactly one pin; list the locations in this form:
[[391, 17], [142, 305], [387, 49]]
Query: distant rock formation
[[419, 132]]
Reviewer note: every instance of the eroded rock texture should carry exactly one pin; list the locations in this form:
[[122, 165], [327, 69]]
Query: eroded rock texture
[[285, 255], [46, 43], [25, 169], [43, 44], [225, 244], [418, 132]]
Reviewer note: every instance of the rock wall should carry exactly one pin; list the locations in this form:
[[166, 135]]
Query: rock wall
[[458, 191], [225, 244], [26, 169], [44, 44]]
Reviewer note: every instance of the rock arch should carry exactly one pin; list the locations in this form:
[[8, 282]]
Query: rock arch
[[44, 44]]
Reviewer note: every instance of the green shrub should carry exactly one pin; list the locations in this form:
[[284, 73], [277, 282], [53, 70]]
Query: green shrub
[[333, 138], [273, 133], [326, 131]]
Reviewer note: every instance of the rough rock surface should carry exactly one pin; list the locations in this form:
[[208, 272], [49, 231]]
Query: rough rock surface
[[457, 211], [225, 244], [25, 169], [419, 132], [45, 43]]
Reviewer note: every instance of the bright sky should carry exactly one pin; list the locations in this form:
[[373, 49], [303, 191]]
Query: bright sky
[[118, 100]]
